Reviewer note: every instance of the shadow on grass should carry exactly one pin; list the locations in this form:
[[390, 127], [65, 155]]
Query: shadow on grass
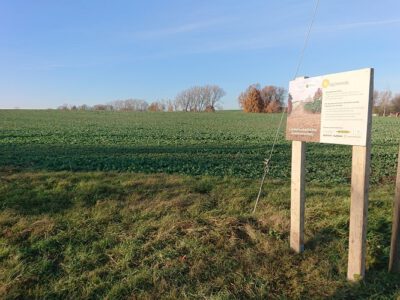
[[323, 237], [223, 160], [48, 193], [194, 160], [378, 282], [27, 198]]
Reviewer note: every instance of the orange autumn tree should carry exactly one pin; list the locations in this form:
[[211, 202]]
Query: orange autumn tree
[[269, 99], [250, 100]]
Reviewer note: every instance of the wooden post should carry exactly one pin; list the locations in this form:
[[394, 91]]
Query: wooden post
[[394, 262], [359, 199], [297, 196], [358, 212]]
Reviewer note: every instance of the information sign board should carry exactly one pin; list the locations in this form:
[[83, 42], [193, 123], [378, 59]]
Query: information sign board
[[332, 108]]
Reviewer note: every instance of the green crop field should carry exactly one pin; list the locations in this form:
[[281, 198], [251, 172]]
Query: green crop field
[[128, 205], [222, 144]]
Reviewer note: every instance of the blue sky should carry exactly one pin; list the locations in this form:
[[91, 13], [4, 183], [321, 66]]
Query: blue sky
[[55, 52]]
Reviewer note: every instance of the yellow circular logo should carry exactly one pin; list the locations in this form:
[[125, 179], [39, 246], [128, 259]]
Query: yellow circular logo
[[325, 83]]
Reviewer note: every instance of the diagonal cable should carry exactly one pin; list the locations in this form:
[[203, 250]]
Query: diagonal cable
[[301, 57]]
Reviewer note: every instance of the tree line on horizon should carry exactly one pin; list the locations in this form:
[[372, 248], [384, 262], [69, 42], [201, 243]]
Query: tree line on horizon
[[205, 98]]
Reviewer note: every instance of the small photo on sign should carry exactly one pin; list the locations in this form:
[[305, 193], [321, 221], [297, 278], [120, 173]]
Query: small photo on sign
[[304, 109]]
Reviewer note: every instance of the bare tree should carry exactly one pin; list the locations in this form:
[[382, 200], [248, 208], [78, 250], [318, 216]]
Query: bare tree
[[118, 104], [273, 98], [182, 100], [129, 105], [83, 107], [142, 105], [215, 95], [375, 102], [396, 103], [199, 98], [63, 107], [385, 98], [170, 106], [382, 101]]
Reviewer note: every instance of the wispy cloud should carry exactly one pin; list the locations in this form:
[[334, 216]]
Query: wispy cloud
[[355, 25], [279, 38], [261, 40], [266, 39], [247, 42], [256, 42], [181, 29]]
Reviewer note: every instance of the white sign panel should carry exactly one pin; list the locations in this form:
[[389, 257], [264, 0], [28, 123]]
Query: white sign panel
[[333, 108]]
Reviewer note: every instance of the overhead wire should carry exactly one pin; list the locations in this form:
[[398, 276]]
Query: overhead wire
[[300, 61]]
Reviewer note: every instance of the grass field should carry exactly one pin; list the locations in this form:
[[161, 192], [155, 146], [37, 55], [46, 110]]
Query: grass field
[[87, 209]]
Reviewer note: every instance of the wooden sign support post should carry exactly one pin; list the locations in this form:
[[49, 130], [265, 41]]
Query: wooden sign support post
[[360, 170], [297, 196], [358, 212], [394, 262]]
